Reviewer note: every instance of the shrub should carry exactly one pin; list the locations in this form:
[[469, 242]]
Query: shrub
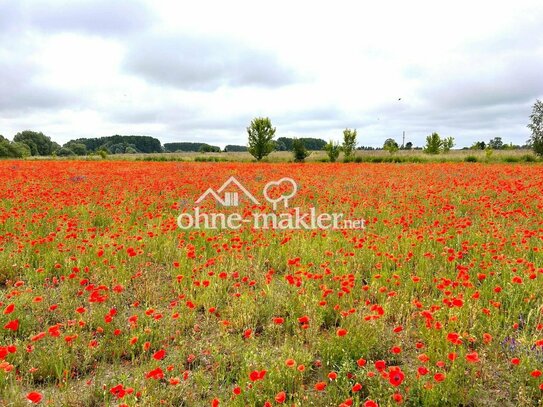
[[511, 159], [471, 159], [299, 151], [529, 158], [332, 150], [64, 152], [391, 146]]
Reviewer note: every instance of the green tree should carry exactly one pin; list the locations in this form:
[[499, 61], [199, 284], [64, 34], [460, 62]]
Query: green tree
[[77, 148], [206, 148], [536, 127], [496, 143], [234, 148], [478, 145], [349, 143], [408, 145], [65, 152], [447, 144], [433, 144], [38, 143], [332, 150], [299, 150], [391, 145], [261, 134], [10, 149]]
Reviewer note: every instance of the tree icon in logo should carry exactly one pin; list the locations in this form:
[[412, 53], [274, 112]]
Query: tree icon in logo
[[284, 198]]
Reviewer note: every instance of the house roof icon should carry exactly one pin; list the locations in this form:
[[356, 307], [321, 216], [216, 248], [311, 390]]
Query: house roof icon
[[230, 198]]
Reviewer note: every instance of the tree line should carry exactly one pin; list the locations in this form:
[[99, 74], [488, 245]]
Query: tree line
[[261, 142]]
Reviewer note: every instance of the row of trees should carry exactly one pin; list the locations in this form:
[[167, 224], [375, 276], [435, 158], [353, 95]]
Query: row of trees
[[261, 140], [261, 143], [32, 143]]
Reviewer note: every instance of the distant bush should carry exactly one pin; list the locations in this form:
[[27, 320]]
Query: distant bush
[[233, 148], [159, 158], [471, 159], [511, 159], [332, 150], [64, 152], [529, 158], [299, 151], [209, 159]]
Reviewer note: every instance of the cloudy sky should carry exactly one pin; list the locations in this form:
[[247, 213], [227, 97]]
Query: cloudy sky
[[201, 70]]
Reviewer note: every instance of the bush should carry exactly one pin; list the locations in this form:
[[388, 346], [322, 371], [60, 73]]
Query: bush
[[65, 152], [299, 151], [209, 159], [332, 150], [529, 158], [391, 146], [511, 159], [471, 159]]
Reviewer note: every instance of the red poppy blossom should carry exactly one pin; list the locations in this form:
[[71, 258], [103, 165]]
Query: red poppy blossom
[[159, 355], [395, 376], [341, 332], [281, 397], [34, 397], [320, 386]]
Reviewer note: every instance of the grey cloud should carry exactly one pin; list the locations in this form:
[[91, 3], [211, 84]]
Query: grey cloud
[[204, 64], [21, 92], [518, 80], [94, 17]]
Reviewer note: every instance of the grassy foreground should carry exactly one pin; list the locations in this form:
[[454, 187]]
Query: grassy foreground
[[105, 301]]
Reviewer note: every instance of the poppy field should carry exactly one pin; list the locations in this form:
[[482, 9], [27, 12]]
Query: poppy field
[[105, 300]]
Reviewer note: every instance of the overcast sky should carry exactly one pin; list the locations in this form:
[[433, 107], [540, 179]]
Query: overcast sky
[[201, 70]]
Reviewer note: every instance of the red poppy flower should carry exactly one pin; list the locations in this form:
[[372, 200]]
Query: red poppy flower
[[380, 365], [341, 332], [472, 357], [395, 376], [159, 355], [156, 374], [12, 325], [439, 377], [34, 397], [320, 386], [281, 397]]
